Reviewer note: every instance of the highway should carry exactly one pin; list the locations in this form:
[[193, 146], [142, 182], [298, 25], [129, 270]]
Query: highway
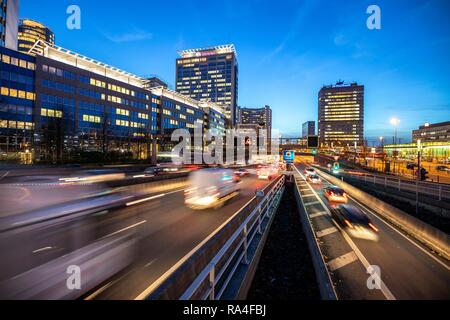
[[170, 232], [408, 269]]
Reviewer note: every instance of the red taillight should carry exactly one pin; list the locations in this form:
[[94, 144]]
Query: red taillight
[[348, 224]]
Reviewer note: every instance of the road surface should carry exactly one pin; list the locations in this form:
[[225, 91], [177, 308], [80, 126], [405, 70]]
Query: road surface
[[408, 270]]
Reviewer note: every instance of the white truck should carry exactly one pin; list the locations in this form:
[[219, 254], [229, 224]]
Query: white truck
[[211, 188]]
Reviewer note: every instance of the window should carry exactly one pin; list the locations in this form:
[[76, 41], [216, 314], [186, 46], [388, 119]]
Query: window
[[122, 112]]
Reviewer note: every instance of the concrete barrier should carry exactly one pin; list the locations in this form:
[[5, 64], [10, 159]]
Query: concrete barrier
[[326, 287], [423, 232]]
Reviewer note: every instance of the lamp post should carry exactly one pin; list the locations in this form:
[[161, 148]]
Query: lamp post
[[382, 152], [395, 122]]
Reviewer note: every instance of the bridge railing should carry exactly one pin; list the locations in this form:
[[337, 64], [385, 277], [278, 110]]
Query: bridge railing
[[216, 270]]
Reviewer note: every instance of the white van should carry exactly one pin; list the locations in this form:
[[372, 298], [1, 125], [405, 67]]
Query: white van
[[211, 188]]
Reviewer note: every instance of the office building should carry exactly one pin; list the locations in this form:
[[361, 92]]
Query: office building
[[210, 74], [9, 23], [436, 132], [308, 129], [30, 32], [17, 105], [257, 116], [341, 115], [65, 107]]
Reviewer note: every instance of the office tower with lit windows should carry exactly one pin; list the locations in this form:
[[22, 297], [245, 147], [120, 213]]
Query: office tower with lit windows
[[9, 22], [341, 115], [308, 129], [30, 32], [261, 117], [210, 74]]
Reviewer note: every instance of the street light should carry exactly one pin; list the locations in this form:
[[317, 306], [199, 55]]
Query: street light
[[395, 122]]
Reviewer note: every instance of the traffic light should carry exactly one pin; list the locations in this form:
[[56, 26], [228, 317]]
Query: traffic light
[[314, 151], [423, 174]]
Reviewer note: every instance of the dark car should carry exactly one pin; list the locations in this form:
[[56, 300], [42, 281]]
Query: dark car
[[355, 222], [443, 168], [335, 194]]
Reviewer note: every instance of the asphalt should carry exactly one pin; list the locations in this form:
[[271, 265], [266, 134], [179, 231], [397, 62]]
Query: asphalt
[[408, 269], [170, 232]]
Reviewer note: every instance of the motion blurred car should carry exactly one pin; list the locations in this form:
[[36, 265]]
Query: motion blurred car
[[335, 194], [94, 176], [355, 222], [310, 171], [443, 168], [211, 188], [314, 179], [93, 234], [266, 172], [241, 172]]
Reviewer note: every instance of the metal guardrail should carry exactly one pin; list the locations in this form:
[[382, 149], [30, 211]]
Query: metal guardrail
[[214, 279], [439, 191]]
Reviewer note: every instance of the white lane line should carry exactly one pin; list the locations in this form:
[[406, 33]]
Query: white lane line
[[326, 232], [43, 249], [318, 214], [342, 261], [400, 233], [129, 204], [303, 190], [308, 195], [125, 229], [311, 203], [152, 197], [384, 289]]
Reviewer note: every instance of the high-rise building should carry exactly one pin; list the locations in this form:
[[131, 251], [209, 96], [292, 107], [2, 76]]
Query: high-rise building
[[210, 74], [261, 117], [308, 129], [9, 23], [341, 115], [30, 32]]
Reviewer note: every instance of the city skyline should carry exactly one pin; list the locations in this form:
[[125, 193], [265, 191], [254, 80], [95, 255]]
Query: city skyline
[[341, 47]]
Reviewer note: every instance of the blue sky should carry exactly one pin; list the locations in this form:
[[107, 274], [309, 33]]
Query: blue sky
[[286, 49]]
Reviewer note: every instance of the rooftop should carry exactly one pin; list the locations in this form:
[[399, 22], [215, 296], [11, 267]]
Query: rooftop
[[201, 52], [80, 61]]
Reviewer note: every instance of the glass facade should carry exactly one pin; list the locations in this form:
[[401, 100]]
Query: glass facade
[[341, 115], [30, 32], [210, 75], [80, 111], [62, 109], [2, 22], [17, 105]]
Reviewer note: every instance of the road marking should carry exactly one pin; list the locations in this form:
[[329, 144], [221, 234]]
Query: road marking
[[318, 214], [342, 261], [129, 204], [304, 189], [42, 249], [404, 236], [311, 203], [326, 232], [384, 289], [125, 229], [308, 195]]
